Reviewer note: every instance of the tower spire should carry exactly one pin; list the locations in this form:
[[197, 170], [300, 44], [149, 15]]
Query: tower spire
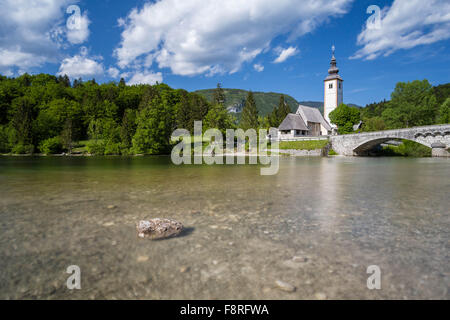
[[333, 72]]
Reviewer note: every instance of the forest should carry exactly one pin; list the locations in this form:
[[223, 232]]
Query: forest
[[51, 115]]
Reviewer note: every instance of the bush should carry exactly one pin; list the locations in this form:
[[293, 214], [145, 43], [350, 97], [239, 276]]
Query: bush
[[332, 153], [23, 149], [5, 146], [51, 146], [96, 148], [407, 149], [112, 149]]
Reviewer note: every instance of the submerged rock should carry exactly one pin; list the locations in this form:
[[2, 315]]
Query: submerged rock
[[285, 286], [158, 228]]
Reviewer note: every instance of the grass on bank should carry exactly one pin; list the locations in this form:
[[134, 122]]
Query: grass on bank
[[332, 153], [303, 145]]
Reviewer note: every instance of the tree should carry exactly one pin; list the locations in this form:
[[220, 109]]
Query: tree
[[345, 117], [155, 125], [67, 135], [219, 95], [283, 110], [412, 104], [122, 83], [128, 128], [22, 120], [444, 112], [218, 118], [250, 114], [374, 124]]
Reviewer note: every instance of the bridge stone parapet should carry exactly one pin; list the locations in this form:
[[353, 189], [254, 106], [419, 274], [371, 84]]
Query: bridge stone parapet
[[436, 137]]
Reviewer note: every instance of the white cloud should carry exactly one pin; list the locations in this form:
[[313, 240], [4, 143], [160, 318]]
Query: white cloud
[[145, 77], [33, 32], [284, 54], [80, 66], [113, 72], [215, 36], [405, 25], [258, 67], [79, 34]]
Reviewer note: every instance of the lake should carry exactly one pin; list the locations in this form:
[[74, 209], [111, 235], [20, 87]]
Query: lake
[[336, 216]]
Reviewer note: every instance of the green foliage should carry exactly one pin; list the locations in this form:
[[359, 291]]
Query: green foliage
[[192, 107], [22, 149], [96, 147], [412, 104], [345, 117], [265, 101], [303, 145], [250, 114], [128, 128], [278, 114], [444, 112], [156, 122], [5, 134], [331, 152], [22, 119], [407, 149], [283, 110], [51, 146], [218, 118], [442, 92], [219, 95], [112, 148], [374, 124]]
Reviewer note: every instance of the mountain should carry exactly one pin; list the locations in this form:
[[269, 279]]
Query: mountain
[[265, 101]]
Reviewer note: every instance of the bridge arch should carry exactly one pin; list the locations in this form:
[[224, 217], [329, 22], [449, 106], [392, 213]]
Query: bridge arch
[[436, 137], [364, 147]]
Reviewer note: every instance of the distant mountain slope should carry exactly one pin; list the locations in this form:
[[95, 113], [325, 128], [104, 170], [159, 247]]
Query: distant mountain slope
[[265, 101]]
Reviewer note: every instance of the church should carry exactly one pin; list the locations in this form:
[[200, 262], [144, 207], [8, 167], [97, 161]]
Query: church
[[309, 121]]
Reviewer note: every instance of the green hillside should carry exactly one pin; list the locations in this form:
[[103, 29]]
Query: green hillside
[[265, 101]]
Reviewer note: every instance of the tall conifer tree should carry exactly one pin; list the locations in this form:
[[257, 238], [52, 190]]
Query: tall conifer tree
[[250, 114]]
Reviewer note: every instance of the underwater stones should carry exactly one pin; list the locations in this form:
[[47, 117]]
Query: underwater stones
[[284, 286], [158, 228], [320, 296]]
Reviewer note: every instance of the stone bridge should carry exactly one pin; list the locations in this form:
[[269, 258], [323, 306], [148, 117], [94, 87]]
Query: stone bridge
[[436, 137]]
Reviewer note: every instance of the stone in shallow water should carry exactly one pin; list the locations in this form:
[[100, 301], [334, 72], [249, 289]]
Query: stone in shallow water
[[300, 259], [143, 258], [320, 296], [158, 228], [285, 286], [184, 269]]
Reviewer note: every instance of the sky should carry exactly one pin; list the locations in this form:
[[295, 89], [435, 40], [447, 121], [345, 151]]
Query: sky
[[260, 45]]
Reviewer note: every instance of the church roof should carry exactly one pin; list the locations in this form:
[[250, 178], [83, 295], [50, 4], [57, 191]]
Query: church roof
[[293, 122], [313, 115]]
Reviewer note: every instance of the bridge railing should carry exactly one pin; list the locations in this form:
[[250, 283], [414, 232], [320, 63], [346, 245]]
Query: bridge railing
[[431, 127]]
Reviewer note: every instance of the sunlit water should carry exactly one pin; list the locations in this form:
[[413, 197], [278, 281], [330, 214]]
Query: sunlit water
[[339, 215]]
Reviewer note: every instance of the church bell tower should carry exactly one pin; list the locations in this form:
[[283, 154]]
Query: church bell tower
[[334, 90]]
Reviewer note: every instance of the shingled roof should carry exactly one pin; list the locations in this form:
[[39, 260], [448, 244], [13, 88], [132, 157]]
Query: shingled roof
[[312, 115], [293, 122]]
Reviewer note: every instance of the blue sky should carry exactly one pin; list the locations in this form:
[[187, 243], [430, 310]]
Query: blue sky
[[260, 45]]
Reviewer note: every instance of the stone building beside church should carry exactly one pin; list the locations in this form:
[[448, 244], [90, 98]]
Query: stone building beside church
[[309, 121]]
